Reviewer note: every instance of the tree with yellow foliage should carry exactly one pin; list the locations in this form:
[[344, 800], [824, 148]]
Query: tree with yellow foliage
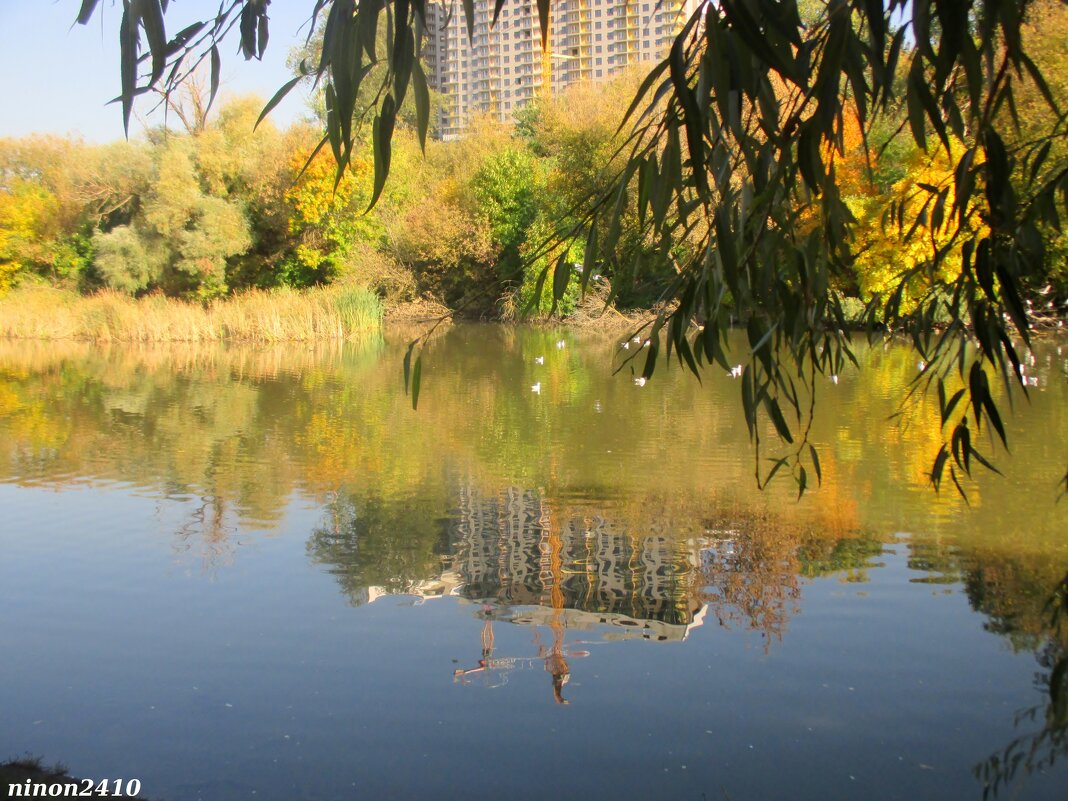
[[27, 224]]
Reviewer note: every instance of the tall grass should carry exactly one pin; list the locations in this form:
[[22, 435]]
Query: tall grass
[[279, 315]]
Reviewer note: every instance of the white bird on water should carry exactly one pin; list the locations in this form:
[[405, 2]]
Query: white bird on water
[[640, 381], [560, 344], [834, 378], [637, 340], [736, 371], [536, 389], [539, 360]]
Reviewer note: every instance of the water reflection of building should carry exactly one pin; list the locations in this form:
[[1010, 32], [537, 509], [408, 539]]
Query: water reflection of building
[[510, 550], [522, 558]]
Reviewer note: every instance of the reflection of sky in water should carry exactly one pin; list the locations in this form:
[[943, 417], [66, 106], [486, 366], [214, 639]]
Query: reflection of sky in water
[[251, 582]]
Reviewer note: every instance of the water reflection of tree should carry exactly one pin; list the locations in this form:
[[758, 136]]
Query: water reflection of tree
[[1039, 749], [371, 542]]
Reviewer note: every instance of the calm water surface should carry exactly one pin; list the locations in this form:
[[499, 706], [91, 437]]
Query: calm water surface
[[257, 573]]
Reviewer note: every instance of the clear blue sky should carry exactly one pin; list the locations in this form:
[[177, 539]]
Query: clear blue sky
[[58, 79]]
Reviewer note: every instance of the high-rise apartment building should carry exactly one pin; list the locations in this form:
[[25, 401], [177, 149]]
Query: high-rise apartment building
[[504, 66]]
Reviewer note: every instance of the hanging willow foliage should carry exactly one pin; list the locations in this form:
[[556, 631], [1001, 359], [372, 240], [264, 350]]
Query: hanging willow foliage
[[731, 144]]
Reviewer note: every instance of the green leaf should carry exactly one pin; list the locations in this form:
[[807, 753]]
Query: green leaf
[[646, 84], [181, 39], [497, 6], [589, 257], [382, 137], [957, 484], [1040, 82], [129, 44], [539, 286], [939, 466], [403, 63], [749, 401], [247, 29], [777, 419], [86, 12], [469, 15], [213, 79], [152, 19], [650, 359], [686, 354], [779, 464], [262, 36], [422, 103], [561, 276], [915, 104], [947, 410], [278, 97], [816, 464], [543, 18]]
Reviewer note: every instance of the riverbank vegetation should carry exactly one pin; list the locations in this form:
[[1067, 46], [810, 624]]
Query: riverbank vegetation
[[222, 207], [255, 315]]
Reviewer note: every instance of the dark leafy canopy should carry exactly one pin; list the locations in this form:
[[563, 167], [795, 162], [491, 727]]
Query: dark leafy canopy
[[731, 149]]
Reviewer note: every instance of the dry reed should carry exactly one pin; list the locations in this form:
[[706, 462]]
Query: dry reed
[[339, 312]]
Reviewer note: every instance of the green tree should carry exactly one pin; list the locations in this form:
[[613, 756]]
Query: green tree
[[505, 190], [181, 239], [127, 261]]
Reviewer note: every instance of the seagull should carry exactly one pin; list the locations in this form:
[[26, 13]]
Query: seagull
[[560, 344], [646, 343], [736, 371], [834, 378], [539, 360], [536, 389], [921, 366], [637, 340], [624, 345], [640, 381]]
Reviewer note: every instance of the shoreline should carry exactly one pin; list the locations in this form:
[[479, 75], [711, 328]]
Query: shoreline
[[332, 313]]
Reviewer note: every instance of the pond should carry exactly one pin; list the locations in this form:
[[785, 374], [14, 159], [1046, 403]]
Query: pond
[[238, 573]]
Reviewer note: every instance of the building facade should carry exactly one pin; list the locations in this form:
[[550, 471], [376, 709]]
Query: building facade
[[503, 67]]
